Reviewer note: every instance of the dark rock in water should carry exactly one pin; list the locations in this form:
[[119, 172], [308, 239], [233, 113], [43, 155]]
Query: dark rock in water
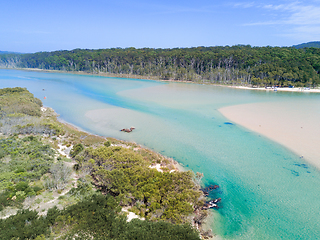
[[127, 129], [209, 205], [303, 165], [212, 203], [208, 234]]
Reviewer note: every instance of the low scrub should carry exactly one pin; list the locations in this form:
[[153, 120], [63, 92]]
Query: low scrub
[[97, 217]]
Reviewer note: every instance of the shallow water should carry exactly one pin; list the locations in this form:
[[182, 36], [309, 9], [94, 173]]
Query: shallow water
[[268, 192]]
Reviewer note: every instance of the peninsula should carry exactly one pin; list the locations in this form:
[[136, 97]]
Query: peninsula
[[65, 182]]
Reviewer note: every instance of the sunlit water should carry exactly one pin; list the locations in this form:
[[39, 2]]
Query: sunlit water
[[267, 192]]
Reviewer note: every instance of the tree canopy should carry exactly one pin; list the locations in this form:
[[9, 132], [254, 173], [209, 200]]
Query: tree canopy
[[97, 217], [241, 64], [171, 196]]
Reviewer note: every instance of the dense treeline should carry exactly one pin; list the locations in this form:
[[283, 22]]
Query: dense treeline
[[240, 65], [97, 217]]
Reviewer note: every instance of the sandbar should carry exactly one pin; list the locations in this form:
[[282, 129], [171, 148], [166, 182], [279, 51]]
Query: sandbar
[[293, 125]]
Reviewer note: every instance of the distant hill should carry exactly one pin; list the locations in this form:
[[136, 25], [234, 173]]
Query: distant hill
[[5, 52], [308, 45]]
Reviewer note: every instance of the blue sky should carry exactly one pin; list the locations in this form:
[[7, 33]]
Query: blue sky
[[42, 25]]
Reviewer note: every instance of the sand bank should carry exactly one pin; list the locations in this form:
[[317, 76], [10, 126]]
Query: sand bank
[[284, 89], [295, 126]]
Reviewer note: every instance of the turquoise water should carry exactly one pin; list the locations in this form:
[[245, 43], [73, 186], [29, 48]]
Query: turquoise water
[[268, 192]]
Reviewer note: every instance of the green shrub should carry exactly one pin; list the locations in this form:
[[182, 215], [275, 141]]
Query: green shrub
[[20, 170], [21, 186], [52, 214], [76, 149], [20, 195], [125, 173], [2, 152], [25, 224]]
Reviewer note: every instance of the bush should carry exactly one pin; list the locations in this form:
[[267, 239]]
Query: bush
[[76, 149], [107, 143], [25, 224], [60, 175], [20, 195], [37, 189], [2, 153], [21, 186], [124, 173], [52, 214]]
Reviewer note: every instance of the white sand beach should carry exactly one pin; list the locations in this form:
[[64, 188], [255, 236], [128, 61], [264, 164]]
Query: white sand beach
[[293, 125], [280, 89]]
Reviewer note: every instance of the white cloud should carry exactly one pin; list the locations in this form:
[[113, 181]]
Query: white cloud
[[300, 20], [160, 9], [304, 33], [294, 13], [305, 15], [262, 23], [244, 4]]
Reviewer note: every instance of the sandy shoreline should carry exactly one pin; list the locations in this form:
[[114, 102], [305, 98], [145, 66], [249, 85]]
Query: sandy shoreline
[[102, 74], [298, 131], [282, 89], [132, 76]]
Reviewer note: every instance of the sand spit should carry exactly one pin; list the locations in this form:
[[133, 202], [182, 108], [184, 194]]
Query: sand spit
[[296, 129]]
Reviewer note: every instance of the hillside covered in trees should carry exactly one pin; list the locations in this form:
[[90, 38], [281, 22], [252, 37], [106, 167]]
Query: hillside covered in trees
[[315, 44], [236, 65]]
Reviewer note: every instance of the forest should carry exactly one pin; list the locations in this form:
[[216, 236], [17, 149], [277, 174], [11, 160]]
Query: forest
[[236, 65]]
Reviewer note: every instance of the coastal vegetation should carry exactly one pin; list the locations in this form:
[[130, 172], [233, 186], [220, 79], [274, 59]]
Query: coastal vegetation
[[97, 217], [58, 182], [236, 65], [155, 195]]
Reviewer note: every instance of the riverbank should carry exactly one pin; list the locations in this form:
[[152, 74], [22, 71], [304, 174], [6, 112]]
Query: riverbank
[[63, 147], [147, 77], [293, 125], [202, 219], [102, 74], [280, 89]]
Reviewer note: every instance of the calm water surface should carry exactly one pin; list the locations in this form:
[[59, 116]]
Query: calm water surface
[[267, 191]]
